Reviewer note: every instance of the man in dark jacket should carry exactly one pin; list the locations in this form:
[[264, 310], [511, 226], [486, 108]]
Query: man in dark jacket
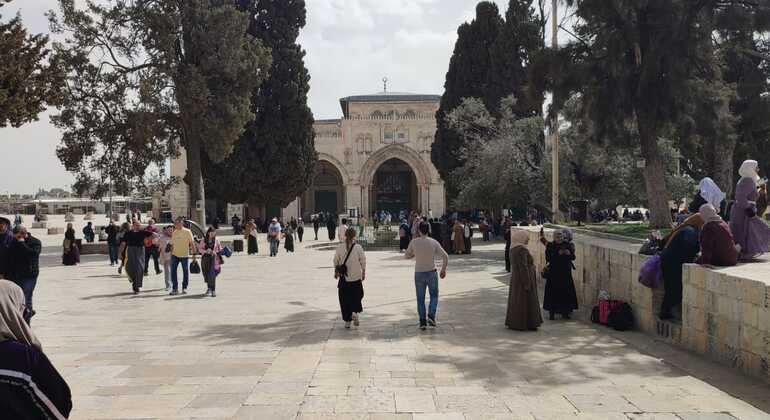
[[6, 239], [24, 265]]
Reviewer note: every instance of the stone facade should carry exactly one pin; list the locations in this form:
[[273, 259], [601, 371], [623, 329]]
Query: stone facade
[[725, 312], [374, 129]]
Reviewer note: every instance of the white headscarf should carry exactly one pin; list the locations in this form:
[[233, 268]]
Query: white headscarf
[[12, 324], [710, 192], [749, 170]]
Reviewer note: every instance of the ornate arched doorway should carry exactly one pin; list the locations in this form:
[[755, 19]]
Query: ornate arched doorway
[[394, 188], [327, 192]]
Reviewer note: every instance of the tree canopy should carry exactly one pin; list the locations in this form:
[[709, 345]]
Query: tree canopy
[[644, 68], [273, 160], [30, 76], [147, 77]]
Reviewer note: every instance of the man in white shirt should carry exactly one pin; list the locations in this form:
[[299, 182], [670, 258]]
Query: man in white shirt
[[424, 249]]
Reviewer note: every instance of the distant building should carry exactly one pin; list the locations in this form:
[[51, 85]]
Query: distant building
[[376, 157]]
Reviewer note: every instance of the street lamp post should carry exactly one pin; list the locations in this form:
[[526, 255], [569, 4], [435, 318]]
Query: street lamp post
[[555, 122]]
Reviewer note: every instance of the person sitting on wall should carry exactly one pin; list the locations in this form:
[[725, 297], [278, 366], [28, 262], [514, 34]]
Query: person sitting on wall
[[717, 246], [680, 247]]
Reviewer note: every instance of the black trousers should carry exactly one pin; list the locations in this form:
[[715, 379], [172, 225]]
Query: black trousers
[[672, 285], [151, 252], [351, 294]]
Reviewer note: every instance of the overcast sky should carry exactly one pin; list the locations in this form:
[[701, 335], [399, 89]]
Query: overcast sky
[[351, 45]]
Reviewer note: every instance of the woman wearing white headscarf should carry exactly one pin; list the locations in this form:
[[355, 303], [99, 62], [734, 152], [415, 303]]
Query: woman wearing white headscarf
[[30, 386], [717, 246], [708, 192], [749, 231], [523, 305]]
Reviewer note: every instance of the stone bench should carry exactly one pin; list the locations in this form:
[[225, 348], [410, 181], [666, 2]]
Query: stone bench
[[95, 248], [56, 231], [39, 225], [725, 313]]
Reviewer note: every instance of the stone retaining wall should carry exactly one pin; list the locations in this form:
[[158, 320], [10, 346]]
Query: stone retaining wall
[[725, 312]]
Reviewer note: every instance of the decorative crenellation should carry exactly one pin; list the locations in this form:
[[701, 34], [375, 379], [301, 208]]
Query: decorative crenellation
[[408, 115]]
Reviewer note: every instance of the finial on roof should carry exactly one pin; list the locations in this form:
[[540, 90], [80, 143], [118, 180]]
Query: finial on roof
[[385, 84]]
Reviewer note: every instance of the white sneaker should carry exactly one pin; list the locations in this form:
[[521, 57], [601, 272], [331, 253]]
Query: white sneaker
[[355, 319], [208, 293], [347, 324]]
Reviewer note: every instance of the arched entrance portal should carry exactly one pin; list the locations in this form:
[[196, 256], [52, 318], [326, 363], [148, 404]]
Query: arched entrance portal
[[327, 192], [394, 188]]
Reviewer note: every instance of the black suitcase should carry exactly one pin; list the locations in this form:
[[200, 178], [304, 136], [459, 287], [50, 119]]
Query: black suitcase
[[238, 245]]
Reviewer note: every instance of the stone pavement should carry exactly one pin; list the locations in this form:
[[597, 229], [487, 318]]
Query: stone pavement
[[272, 346]]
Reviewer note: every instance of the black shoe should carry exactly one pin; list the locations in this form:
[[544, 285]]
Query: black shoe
[[423, 325], [431, 322]]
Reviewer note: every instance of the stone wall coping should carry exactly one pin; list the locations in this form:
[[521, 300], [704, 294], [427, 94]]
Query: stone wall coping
[[756, 271]]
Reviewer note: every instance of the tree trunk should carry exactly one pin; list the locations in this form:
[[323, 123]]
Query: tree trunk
[[195, 181], [723, 166], [654, 175]]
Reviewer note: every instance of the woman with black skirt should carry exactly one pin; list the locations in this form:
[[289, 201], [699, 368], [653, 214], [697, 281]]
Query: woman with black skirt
[[560, 295], [350, 271]]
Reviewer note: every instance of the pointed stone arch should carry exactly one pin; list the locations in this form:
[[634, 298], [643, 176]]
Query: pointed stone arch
[[397, 151]]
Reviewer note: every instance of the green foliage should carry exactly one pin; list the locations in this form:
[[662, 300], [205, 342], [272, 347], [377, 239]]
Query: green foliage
[[146, 77], [502, 159], [638, 66], [467, 77], [274, 159], [30, 77]]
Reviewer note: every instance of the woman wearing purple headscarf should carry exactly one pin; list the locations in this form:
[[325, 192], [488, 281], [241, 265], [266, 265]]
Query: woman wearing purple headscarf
[[749, 231]]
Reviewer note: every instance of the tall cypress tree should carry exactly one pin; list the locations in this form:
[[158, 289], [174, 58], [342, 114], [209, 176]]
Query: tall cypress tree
[[468, 76], [520, 41], [273, 161]]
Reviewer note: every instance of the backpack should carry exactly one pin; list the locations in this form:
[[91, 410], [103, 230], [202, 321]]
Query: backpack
[[621, 318]]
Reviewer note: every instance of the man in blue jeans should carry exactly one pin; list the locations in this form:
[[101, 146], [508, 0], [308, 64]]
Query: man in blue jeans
[[424, 249], [182, 245], [274, 236]]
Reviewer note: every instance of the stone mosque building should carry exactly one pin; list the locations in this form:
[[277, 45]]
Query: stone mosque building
[[376, 157]]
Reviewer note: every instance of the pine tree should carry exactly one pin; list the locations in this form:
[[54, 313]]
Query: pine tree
[[467, 77], [518, 44], [168, 73], [30, 78], [273, 161], [638, 65]]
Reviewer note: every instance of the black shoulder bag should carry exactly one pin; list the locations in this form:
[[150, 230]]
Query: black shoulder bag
[[342, 270]]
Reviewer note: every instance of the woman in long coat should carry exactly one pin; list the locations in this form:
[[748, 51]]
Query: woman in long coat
[[749, 231], [70, 250], [250, 233], [288, 239], [458, 238], [523, 305], [560, 295]]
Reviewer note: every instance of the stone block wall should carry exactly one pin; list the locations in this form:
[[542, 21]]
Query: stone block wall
[[727, 318], [725, 312]]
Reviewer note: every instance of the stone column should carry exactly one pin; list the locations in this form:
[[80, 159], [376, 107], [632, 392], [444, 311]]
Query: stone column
[[365, 200]]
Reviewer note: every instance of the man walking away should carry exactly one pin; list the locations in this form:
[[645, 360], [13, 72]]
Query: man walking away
[[182, 245], [424, 249], [274, 236], [24, 259], [112, 241], [316, 226]]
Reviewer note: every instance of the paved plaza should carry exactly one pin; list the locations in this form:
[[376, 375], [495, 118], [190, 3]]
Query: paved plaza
[[272, 346]]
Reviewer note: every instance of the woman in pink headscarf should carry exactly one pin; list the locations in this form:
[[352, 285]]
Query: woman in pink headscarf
[[749, 231], [523, 306]]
